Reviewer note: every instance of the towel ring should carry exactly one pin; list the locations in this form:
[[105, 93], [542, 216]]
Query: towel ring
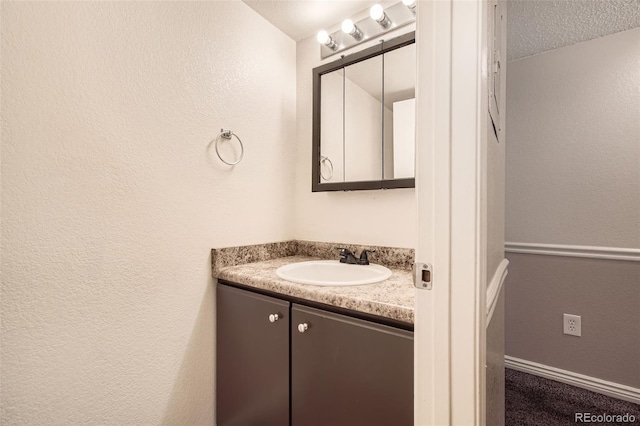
[[324, 159], [226, 134]]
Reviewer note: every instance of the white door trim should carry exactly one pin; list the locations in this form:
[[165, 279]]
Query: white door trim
[[450, 323], [432, 372]]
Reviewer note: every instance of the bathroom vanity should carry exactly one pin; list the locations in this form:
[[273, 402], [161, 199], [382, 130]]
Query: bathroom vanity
[[278, 359], [294, 354]]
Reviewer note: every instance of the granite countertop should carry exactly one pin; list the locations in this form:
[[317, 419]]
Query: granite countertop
[[393, 298]]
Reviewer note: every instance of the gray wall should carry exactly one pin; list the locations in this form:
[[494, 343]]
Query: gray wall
[[573, 178], [605, 293], [573, 144]]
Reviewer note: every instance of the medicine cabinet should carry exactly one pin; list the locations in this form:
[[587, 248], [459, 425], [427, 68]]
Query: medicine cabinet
[[364, 119]]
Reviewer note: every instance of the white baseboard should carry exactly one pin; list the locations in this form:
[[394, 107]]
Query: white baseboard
[[604, 387]]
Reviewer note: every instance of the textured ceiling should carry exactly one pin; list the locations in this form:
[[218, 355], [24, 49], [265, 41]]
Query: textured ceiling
[[535, 26]]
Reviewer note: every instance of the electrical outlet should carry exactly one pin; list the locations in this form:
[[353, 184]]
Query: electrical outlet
[[572, 325]]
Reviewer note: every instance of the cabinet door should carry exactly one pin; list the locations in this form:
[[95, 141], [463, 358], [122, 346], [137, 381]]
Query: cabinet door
[[347, 371], [252, 362]]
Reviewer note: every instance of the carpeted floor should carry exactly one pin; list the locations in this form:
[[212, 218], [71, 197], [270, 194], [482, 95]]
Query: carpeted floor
[[534, 401]]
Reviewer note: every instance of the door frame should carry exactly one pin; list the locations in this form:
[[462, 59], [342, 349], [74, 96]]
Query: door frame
[[451, 129]]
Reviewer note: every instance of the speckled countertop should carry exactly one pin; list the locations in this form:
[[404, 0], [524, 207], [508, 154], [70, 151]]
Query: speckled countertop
[[392, 298]]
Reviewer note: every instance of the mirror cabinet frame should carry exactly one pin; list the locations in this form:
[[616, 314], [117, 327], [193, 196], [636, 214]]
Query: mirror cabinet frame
[[316, 184]]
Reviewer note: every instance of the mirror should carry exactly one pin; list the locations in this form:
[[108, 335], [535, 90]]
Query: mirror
[[399, 112], [364, 119], [332, 130]]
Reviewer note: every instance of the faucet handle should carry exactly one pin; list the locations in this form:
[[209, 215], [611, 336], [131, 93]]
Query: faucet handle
[[364, 259], [346, 256]]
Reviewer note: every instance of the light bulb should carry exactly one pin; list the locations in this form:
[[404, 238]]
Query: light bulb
[[323, 37], [376, 12], [411, 4], [348, 26], [352, 29]]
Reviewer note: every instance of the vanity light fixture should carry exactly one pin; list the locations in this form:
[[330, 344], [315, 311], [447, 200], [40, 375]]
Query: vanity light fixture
[[381, 19], [323, 37], [411, 4], [377, 14], [352, 29]]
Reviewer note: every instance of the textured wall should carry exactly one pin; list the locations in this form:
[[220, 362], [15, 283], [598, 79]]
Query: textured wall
[[361, 217], [573, 158], [111, 200], [573, 177]]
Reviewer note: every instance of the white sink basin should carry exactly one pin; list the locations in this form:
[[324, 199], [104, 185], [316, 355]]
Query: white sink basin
[[332, 273]]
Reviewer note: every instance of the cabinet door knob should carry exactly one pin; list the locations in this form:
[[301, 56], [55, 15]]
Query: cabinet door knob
[[303, 327], [274, 317]]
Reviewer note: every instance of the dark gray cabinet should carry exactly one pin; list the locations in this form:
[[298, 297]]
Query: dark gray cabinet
[[309, 367], [252, 362], [346, 371]]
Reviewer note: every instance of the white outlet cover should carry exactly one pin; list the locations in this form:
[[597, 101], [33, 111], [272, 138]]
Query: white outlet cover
[[572, 325]]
